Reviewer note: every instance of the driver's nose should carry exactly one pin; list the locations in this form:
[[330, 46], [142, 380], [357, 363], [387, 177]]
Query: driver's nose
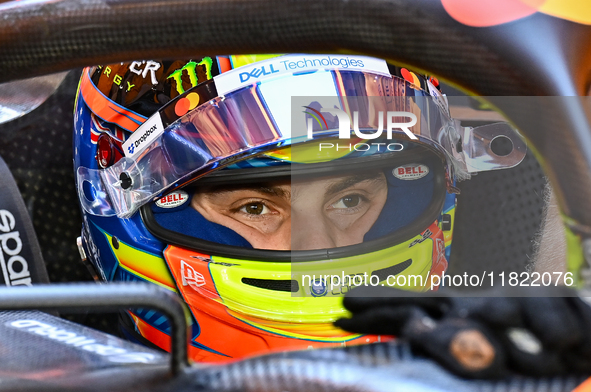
[[310, 232]]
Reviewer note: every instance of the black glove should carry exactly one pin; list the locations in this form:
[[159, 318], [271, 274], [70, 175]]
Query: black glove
[[482, 337]]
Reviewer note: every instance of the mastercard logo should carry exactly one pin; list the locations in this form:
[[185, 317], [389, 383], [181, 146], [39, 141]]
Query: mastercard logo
[[410, 77], [186, 103], [484, 13]]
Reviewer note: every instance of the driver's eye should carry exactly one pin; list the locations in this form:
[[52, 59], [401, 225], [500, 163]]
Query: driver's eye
[[255, 208], [349, 201]]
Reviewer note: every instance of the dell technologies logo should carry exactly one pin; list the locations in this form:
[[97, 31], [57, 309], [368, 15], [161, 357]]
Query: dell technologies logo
[[257, 72], [298, 64]]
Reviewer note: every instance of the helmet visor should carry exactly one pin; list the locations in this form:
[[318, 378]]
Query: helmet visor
[[203, 130]]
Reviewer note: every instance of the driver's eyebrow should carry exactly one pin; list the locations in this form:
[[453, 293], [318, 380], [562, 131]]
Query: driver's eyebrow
[[349, 181], [267, 190]]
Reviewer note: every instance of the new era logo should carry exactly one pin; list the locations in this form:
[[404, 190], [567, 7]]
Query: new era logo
[[190, 277]]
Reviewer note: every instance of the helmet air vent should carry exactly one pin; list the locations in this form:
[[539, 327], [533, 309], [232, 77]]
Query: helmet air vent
[[392, 270], [273, 284]]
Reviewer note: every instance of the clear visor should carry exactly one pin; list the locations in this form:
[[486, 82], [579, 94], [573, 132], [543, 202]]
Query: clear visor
[[166, 153]]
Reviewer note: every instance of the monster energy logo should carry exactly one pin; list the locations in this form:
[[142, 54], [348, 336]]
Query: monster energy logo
[[191, 68]]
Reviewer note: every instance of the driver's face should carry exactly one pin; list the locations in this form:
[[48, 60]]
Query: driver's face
[[312, 214]]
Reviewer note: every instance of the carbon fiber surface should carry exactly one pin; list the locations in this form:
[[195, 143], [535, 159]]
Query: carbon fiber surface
[[414, 32], [35, 346], [375, 367], [43, 353], [35, 342]]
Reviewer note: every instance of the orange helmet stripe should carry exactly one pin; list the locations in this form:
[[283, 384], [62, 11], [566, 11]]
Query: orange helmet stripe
[[106, 109]]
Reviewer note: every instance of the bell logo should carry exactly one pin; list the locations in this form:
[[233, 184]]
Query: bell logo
[[391, 124], [190, 277]]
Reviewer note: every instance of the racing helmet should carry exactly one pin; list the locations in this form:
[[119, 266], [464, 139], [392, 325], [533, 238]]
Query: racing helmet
[[261, 188]]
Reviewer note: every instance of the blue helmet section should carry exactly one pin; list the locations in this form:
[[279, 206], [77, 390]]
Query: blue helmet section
[[131, 231]]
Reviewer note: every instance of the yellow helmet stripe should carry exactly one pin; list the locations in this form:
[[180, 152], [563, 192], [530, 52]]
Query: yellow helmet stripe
[[142, 264], [345, 336]]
